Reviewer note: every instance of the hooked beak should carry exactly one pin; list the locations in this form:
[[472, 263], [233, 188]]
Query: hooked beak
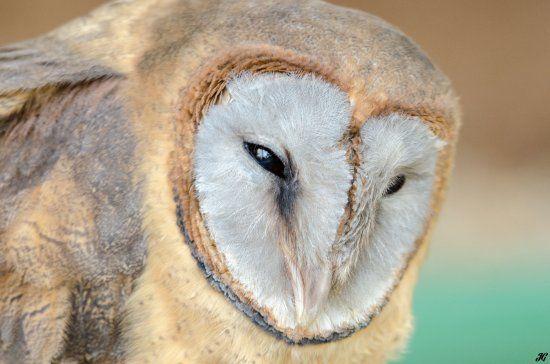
[[311, 285]]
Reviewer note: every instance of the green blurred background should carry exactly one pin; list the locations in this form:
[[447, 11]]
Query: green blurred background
[[484, 292]]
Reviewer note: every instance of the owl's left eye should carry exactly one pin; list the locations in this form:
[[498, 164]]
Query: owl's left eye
[[266, 158], [395, 185]]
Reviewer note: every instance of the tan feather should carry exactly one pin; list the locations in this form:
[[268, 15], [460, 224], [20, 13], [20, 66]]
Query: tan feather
[[97, 124]]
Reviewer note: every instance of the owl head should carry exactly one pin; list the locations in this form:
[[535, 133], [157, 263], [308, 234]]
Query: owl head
[[273, 179]]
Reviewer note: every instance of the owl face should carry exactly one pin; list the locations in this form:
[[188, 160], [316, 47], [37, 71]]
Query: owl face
[[274, 181]]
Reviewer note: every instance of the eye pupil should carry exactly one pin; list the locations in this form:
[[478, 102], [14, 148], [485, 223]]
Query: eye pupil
[[395, 185], [266, 158]]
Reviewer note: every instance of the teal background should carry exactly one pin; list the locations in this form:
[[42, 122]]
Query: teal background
[[472, 316]]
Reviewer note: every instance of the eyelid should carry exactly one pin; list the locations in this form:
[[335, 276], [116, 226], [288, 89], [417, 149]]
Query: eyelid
[[413, 173]]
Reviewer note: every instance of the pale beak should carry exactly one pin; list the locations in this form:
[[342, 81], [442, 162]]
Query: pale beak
[[311, 285]]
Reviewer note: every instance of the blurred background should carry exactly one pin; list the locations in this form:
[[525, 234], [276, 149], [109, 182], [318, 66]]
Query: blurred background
[[484, 292]]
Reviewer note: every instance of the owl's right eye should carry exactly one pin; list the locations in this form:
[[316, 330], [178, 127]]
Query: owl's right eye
[[266, 158]]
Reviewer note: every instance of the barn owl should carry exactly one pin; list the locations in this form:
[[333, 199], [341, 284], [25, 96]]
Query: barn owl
[[217, 181]]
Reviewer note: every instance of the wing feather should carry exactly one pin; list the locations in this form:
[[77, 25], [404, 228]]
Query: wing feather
[[69, 209]]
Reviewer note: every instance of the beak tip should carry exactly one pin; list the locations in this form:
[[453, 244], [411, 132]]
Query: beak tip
[[310, 295]]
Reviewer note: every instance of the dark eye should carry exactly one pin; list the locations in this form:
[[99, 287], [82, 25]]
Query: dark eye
[[395, 185], [266, 158]]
